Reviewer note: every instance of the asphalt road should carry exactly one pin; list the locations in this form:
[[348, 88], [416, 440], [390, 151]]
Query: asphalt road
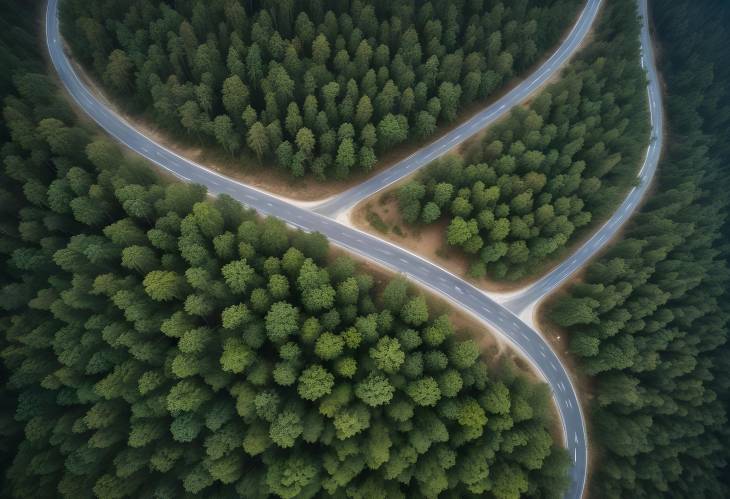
[[535, 292], [451, 287], [531, 84]]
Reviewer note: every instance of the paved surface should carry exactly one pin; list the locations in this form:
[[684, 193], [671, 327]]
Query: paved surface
[[451, 287], [533, 293], [346, 200]]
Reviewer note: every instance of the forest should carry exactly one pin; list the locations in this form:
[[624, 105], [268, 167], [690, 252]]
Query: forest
[[159, 343], [318, 87], [519, 195], [649, 320]]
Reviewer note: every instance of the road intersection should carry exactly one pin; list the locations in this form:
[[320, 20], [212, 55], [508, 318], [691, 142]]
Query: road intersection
[[501, 317]]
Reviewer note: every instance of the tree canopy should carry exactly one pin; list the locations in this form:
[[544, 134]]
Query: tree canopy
[[533, 183], [158, 343], [317, 87], [649, 322]]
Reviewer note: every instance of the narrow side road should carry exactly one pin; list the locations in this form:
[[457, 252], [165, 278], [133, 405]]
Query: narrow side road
[[525, 89], [535, 292]]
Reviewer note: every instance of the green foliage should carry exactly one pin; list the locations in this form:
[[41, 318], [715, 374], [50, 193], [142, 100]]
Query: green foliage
[[534, 182], [156, 343], [649, 324], [317, 88]]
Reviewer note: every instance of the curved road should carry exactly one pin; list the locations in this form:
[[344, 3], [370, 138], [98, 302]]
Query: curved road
[[453, 288], [532, 294], [570, 45]]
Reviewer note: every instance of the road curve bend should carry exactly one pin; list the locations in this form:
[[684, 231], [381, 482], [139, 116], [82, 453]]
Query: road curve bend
[[519, 94], [535, 292], [501, 319]]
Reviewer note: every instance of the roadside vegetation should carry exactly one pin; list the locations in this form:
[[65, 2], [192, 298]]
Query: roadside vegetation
[[649, 320], [156, 343], [315, 87], [534, 183]]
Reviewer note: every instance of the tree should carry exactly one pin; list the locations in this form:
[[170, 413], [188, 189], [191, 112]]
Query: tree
[[424, 392], [285, 429], [163, 285], [415, 311], [430, 213], [258, 140], [288, 478], [235, 95], [395, 294], [364, 111], [345, 157], [320, 50], [278, 286], [449, 95], [460, 231], [236, 356], [461, 207], [235, 316], [375, 390], [139, 258], [281, 321], [392, 130], [305, 140], [387, 354], [329, 346], [575, 311], [425, 125], [315, 382], [225, 134], [238, 275], [118, 72]]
